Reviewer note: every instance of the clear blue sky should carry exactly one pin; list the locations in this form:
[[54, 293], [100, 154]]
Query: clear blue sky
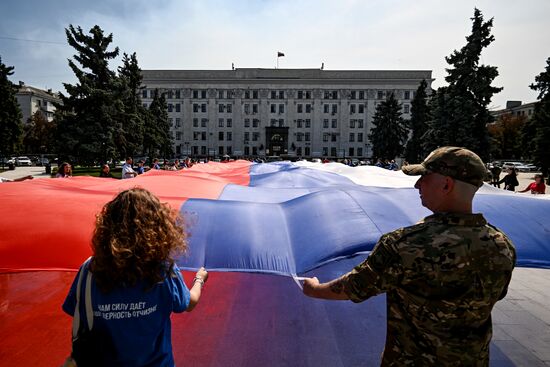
[[344, 34]]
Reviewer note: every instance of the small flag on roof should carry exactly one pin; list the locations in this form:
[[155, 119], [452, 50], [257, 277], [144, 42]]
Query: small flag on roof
[[280, 54]]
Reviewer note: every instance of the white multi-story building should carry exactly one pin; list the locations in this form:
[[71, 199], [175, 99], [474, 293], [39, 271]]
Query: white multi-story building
[[290, 112], [33, 99]]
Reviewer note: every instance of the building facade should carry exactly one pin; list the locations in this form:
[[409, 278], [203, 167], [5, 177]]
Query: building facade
[[284, 112], [516, 108], [33, 99]]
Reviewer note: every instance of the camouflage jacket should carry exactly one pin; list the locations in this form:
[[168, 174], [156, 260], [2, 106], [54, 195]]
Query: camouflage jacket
[[442, 277]]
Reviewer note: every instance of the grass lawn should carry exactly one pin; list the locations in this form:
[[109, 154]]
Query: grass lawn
[[90, 171]]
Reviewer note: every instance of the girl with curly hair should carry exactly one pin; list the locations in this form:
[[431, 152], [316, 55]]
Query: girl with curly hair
[[135, 283]]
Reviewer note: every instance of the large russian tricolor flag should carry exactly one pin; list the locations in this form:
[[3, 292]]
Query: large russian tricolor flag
[[277, 219]]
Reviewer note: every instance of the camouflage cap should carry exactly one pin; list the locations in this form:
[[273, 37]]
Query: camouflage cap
[[459, 163]]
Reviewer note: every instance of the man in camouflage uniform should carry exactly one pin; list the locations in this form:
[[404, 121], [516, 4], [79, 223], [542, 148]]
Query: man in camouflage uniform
[[442, 276]]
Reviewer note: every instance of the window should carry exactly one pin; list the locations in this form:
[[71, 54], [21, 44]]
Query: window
[[281, 122], [203, 107], [178, 107], [229, 94], [255, 94], [204, 122], [326, 108], [254, 108], [254, 150], [351, 151], [307, 136], [361, 94], [203, 94], [351, 137], [299, 123], [333, 137], [195, 94], [407, 94], [229, 135], [273, 94], [273, 108], [246, 122], [308, 108], [281, 94], [334, 109], [220, 94], [334, 94], [360, 152], [246, 108], [308, 151], [144, 93], [273, 122], [352, 108], [195, 122], [220, 150], [221, 108], [326, 136], [255, 122], [353, 94], [325, 151], [281, 108], [325, 123], [406, 108], [229, 149], [300, 108], [170, 121], [308, 123], [360, 124], [220, 123], [299, 136], [380, 94], [178, 135], [300, 94], [360, 137], [308, 95], [361, 108], [178, 94], [334, 123], [220, 135], [246, 150], [326, 95], [299, 151], [255, 136], [195, 107], [170, 94], [196, 135], [246, 137], [229, 108], [352, 123], [178, 122], [333, 151], [203, 136], [246, 94], [229, 123], [170, 107]]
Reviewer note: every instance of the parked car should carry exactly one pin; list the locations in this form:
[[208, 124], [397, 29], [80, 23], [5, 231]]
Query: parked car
[[533, 168], [517, 165], [23, 161], [42, 161]]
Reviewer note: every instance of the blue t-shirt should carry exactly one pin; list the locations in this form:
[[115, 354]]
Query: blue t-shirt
[[137, 322]]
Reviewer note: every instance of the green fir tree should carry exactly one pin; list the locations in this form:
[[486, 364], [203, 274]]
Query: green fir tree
[[390, 132], [420, 114], [11, 126], [460, 111], [536, 132]]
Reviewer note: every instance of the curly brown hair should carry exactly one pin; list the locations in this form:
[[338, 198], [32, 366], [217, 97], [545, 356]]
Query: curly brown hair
[[135, 239]]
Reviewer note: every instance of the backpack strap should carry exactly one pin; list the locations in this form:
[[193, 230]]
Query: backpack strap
[[87, 299]]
